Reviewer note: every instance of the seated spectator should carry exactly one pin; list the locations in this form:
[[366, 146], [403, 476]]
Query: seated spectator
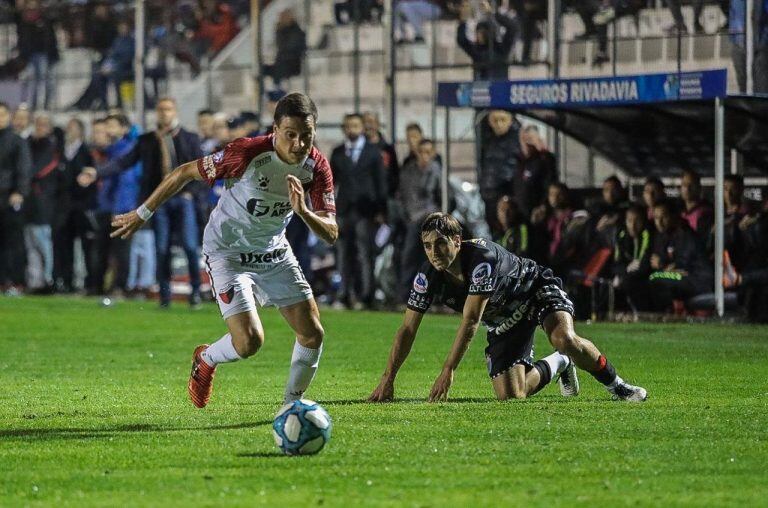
[[698, 213], [653, 193], [498, 157], [609, 213], [494, 37], [538, 169], [552, 221], [366, 11], [515, 229], [291, 47], [680, 269], [751, 279], [632, 259], [415, 13]]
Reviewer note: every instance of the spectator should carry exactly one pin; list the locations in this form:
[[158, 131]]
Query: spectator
[[366, 11], [217, 25], [494, 37], [79, 215], [653, 193], [291, 47], [675, 7], [632, 259], [680, 269], [735, 210], [206, 131], [538, 169], [42, 207], [698, 213], [552, 221], [418, 195], [498, 156], [251, 123], [751, 280], [160, 152], [39, 49], [15, 175], [413, 136], [515, 236], [361, 200], [388, 154], [415, 13], [737, 29], [528, 14], [609, 213], [102, 30], [22, 124]]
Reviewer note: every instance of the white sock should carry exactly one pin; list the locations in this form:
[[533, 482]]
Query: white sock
[[557, 363], [616, 382], [304, 363], [221, 351]]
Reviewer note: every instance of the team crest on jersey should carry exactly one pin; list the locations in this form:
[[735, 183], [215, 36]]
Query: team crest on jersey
[[227, 295], [262, 182], [420, 283], [481, 273], [217, 157]]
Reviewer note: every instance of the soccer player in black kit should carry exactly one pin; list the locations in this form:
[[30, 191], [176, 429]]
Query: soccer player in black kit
[[510, 296]]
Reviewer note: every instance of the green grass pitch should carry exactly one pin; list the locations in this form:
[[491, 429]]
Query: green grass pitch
[[94, 411]]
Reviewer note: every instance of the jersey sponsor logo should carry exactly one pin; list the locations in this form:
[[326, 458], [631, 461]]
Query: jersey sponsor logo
[[255, 258], [417, 301], [209, 166], [227, 295], [309, 164], [260, 161], [481, 273], [258, 208], [420, 283]]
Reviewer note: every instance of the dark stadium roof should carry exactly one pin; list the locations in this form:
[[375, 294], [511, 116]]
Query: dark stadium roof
[[666, 137]]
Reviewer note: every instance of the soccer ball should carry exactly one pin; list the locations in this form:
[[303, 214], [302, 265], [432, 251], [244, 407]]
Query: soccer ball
[[301, 427]]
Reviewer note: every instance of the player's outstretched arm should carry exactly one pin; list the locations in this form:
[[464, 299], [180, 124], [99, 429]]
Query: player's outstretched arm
[[401, 347], [127, 224], [321, 223], [470, 320]]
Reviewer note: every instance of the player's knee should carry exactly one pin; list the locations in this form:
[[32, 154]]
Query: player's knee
[[565, 341], [249, 341], [514, 393], [313, 338]]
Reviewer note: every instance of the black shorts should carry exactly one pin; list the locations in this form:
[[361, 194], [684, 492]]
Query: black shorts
[[511, 341]]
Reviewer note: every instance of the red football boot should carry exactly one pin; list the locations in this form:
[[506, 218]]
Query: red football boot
[[201, 379]]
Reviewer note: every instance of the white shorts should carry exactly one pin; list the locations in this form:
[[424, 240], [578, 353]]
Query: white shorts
[[240, 283]]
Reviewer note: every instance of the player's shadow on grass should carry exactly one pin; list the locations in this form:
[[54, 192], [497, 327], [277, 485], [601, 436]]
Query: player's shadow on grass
[[102, 432]]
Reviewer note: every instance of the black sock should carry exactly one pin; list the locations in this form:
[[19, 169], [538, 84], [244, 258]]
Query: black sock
[[545, 375], [604, 371]]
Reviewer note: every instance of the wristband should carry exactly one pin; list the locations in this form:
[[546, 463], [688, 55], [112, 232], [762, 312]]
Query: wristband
[[144, 213]]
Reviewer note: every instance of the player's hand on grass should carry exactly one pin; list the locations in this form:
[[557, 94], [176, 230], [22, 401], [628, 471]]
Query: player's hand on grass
[[296, 195], [385, 392], [442, 385], [126, 225]]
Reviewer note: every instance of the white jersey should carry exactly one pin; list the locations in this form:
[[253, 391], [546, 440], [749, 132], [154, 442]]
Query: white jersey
[[254, 209]]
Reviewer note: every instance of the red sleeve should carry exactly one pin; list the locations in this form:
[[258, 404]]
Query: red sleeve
[[233, 160], [321, 189]]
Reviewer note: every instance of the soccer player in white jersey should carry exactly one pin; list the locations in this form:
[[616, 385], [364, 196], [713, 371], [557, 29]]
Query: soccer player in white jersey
[[246, 253]]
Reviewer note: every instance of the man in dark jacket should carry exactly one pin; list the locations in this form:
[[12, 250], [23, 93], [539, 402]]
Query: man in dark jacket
[[291, 45], [498, 160], [160, 151], [680, 267], [361, 202], [42, 210], [632, 258], [489, 51], [538, 169], [15, 174], [39, 49]]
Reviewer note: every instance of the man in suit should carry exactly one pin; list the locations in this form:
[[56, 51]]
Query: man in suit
[[361, 201], [159, 151]]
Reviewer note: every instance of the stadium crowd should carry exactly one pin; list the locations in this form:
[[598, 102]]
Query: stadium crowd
[[656, 253]]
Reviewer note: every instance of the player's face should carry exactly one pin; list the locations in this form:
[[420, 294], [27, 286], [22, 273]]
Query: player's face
[[294, 137], [441, 250]]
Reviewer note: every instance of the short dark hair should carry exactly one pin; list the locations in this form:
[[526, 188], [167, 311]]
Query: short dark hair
[[295, 104], [205, 112], [614, 179], [654, 180], [444, 223], [349, 116], [737, 179], [413, 127], [120, 118], [668, 205], [693, 174]]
